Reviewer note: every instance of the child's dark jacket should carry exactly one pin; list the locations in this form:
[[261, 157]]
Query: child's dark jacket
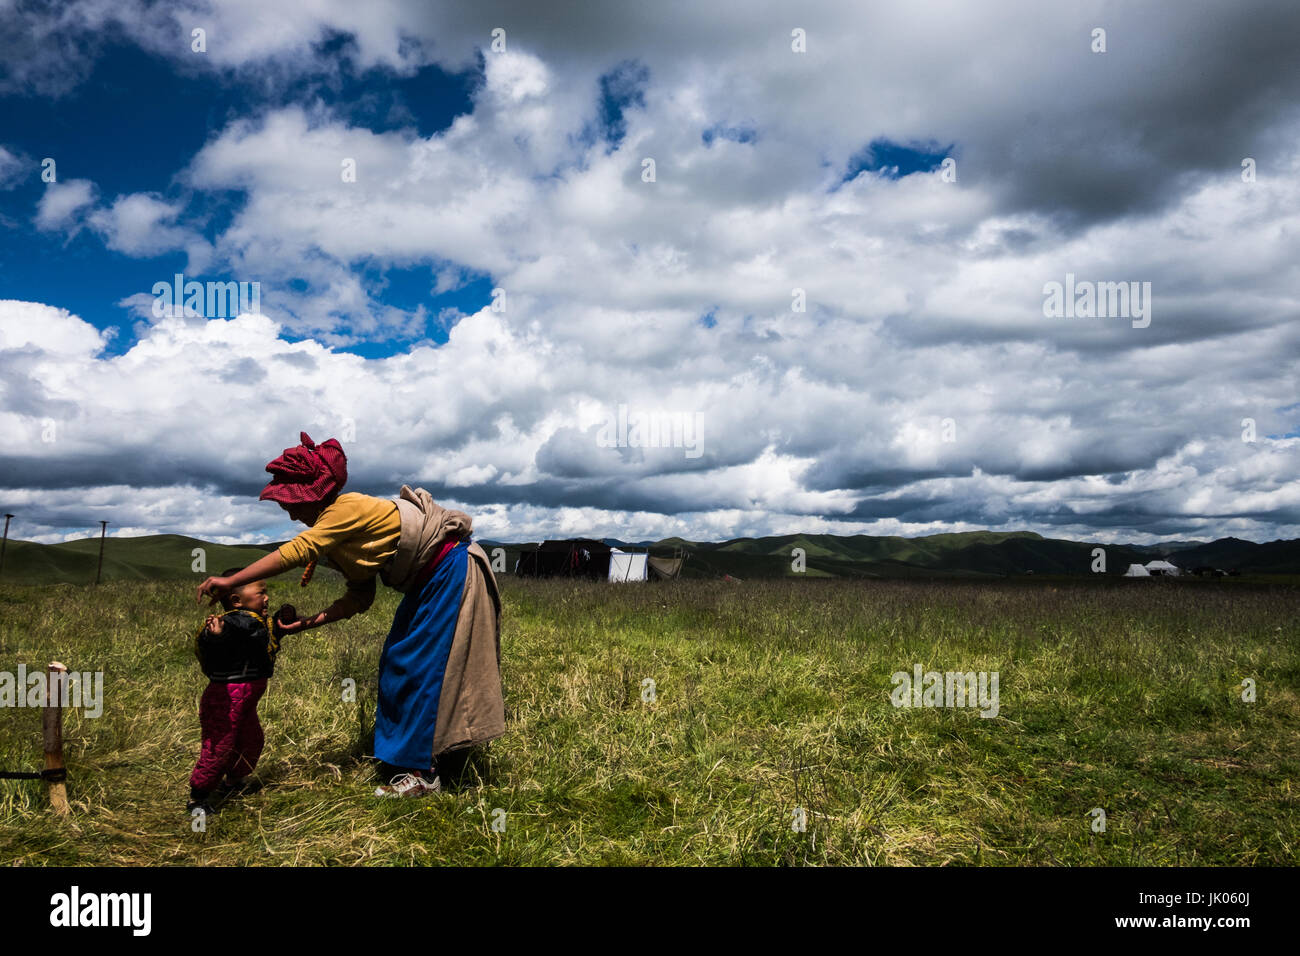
[[244, 651]]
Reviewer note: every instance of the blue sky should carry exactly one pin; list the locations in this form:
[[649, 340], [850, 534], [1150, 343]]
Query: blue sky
[[134, 124], [860, 338], [137, 120]]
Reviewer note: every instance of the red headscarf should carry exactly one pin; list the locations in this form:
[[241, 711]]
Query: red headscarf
[[307, 474]]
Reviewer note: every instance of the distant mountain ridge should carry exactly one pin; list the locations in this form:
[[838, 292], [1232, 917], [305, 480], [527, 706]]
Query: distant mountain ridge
[[952, 554], [968, 554]]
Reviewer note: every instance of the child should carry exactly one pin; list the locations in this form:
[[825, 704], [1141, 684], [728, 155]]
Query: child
[[237, 652]]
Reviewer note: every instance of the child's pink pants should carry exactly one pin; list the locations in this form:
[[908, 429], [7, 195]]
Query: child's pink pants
[[232, 734]]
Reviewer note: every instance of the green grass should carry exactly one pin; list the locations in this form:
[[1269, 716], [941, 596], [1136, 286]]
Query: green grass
[[770, 696]]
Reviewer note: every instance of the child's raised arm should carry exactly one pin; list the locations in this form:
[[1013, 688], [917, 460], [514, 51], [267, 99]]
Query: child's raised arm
[[264, 567]]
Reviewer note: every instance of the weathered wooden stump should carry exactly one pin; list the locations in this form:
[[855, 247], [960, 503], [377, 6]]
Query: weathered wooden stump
[[56, 676]]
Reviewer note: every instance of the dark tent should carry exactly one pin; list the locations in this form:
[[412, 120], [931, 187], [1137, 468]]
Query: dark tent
[[588, 558], [574, 558]]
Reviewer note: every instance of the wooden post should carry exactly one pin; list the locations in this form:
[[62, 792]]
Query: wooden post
[[4, 545], [103, 530], [56, 676]]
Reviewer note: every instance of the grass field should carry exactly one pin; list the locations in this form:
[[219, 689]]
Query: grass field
[[770, 696]]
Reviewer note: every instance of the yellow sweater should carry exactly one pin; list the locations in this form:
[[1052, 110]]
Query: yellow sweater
[[357, 534]]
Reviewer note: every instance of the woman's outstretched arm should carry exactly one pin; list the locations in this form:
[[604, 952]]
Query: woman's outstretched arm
[[264, 567], [358, 598]]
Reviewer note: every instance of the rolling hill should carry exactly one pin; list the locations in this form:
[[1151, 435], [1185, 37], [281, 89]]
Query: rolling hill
[[976, 554], [149, 557]]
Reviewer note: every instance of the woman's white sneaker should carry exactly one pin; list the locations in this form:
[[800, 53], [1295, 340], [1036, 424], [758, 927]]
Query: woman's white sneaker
[[410, 785]]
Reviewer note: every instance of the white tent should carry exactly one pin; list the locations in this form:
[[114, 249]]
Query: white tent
[[624, 566], [1137, 571], [1163, 567]]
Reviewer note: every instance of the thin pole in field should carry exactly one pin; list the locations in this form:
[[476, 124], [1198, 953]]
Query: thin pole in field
[[56, 682], [4, 544], [103, 531]]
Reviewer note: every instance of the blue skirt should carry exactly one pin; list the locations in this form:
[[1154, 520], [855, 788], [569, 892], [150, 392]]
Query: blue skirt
[[413, 663]]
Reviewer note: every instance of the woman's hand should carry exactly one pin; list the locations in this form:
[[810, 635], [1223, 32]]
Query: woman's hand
[[213, 588], [292, 627], [305, 623]]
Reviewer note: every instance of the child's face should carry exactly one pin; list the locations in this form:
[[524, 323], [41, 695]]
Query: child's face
[[251, 597]]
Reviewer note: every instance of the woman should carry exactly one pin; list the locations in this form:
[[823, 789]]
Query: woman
[[440, 670]]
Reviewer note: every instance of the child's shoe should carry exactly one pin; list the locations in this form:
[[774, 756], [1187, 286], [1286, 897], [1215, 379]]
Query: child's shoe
[[241, 787], [414, 784], [200, 800], [221, 792]]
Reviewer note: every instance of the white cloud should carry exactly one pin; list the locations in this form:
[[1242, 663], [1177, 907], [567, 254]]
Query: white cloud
[[140, 224], [63, 205], [11, 169], [479, 417], [54, 332]]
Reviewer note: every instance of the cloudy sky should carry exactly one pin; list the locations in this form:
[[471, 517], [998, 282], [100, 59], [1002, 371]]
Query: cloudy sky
[[834, 279]]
